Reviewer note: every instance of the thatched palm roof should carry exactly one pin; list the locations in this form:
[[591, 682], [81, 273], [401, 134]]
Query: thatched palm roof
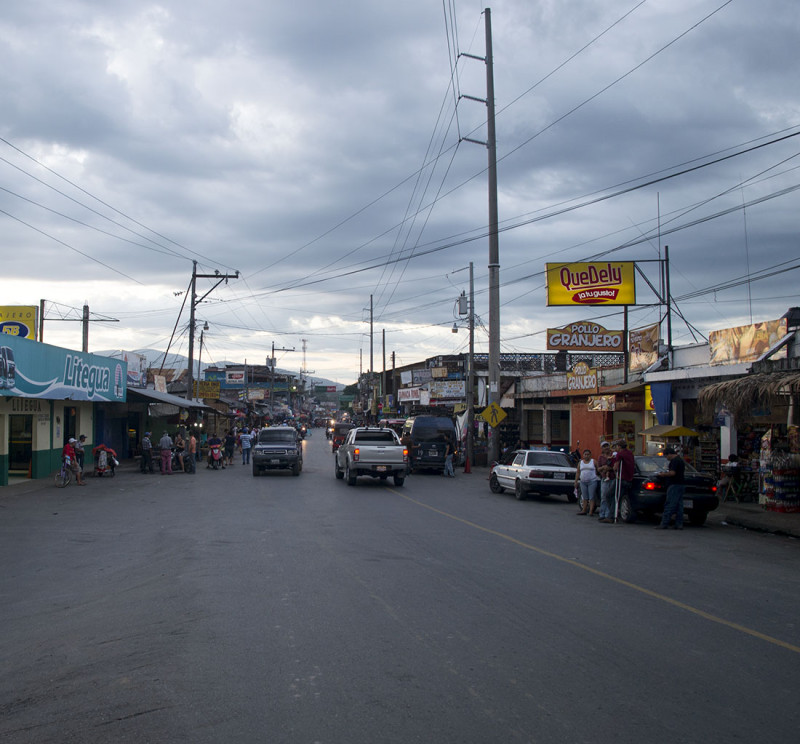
[[742, 395]]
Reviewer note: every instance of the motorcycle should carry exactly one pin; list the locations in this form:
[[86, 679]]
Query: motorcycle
[[303, 431], [215, 456]]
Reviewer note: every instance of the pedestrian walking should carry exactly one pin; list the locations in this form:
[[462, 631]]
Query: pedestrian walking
[[165, 445], [675, 490], [245, 444], [230, 446], [587, 479], [146, 463], [192, 458], [448, 459]]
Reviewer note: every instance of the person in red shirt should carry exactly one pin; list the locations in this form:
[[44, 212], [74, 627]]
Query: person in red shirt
[[69, 451], [624, 466]]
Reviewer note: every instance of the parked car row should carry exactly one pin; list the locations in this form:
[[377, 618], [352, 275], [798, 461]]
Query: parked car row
[[542, 472]]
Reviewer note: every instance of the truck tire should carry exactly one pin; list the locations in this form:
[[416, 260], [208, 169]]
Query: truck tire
[[398, 480], [349, 475], [296, 469], [338, 473]]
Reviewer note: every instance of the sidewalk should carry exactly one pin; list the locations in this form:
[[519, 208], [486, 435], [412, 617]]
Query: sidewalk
[[754, 517]]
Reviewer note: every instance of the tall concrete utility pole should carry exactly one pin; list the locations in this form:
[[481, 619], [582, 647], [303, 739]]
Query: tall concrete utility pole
[[494, 248], [193, 303]]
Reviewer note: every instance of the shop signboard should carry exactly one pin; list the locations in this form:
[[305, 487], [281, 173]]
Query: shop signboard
[[582, 379], [448, 389], [595, 283], [18, 320], [137, 369], [405, 395], [602, 403], [745, 343], [643, 347], [29, 369], [584, 336], [421, 376], [206, 388], [234, 377]]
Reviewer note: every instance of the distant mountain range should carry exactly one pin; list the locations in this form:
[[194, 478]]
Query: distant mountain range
[[156, 358]]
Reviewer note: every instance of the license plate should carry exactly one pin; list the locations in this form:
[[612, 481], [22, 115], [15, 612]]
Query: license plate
[[381, 468], [688, 503], [558, 476], [274, 461], [431, 453]]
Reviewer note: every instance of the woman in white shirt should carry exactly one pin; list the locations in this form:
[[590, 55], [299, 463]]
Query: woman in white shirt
[[587, 479]]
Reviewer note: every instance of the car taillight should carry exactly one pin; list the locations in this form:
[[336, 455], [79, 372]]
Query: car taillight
[[713, 489], [535, 474], [405, 455], [651, 486], [356, 453]]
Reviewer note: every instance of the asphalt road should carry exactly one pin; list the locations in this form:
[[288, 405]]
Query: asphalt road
[[226, 608]]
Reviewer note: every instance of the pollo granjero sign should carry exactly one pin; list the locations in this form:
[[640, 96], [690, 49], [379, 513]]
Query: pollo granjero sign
[[584, 336]]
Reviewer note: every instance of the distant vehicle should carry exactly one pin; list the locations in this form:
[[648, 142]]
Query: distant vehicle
[[371, 451], [8, 368], [278, 448], [649, 491], [339, 433], [539, 471], [429, 436]]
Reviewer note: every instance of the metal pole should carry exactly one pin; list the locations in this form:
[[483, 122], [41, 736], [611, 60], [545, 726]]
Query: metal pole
[[272, 386], [669, 305], [192, 303], [494, 248], [471, 376]]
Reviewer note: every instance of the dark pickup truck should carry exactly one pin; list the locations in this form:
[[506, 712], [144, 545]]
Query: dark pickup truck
[[277, 448]]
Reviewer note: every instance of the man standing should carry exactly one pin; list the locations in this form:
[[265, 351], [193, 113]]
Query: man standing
[[608, 483], [146, 464], [244, 443], [165, 445], [624, 467], [192, 461], [675, 490], [68, 453], [79, 451]]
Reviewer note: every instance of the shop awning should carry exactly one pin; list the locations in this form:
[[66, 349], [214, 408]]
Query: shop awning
[[153, 396], [669, 430]]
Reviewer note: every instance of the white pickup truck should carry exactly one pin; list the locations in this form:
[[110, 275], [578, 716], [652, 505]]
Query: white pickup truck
[[372, 451]]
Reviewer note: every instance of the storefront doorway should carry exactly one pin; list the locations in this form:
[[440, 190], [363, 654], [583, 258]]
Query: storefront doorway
[[20, 445]]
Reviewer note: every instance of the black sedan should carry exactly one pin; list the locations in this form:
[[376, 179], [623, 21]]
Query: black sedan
[[649, 491]]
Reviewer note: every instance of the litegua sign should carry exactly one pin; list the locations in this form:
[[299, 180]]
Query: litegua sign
[[35, 370], [600, 283], [584, 336]]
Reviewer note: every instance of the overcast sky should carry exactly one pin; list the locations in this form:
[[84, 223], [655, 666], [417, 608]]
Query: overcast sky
[[317, 148]]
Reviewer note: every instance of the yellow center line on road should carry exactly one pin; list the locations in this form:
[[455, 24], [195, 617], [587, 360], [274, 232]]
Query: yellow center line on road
[[609, 577]]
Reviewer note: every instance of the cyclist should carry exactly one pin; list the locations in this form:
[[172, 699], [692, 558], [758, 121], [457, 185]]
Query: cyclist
[[72, 462]]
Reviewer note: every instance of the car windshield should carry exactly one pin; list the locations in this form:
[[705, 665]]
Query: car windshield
[[552, 459], [269, 436], [649, 464]]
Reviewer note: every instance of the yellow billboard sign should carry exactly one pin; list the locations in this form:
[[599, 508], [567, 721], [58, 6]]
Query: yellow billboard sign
[[596, 283], [18, 320]]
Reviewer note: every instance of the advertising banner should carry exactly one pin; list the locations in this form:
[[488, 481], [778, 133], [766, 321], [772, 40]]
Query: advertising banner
[[584, 336], [234, 378], [582, 379], [745, 343], [137, 369], [602, 403], [448, 389], [29, 369], [600, 283], [643, 347], [19, 320], [407, 394], [206, 389]]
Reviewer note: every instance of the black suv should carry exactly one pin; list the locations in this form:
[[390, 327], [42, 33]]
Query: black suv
[[278, 448]]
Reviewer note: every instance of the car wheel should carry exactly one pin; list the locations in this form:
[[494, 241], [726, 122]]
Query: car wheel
[[698, 517], [626, 511], [572, 498], [519, 491], [337, 472], [296, 469], [398, 480], [255, 471], [349, 475], [494, 484]]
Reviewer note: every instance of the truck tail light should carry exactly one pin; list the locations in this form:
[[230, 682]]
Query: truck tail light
[[356, 453], [405, 455]]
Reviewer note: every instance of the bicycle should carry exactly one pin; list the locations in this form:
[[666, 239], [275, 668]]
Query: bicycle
[[63, 476]]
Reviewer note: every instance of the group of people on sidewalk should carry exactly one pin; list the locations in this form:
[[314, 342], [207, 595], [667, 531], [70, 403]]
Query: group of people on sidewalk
[[243, 440], [612, 474], [185, 447]]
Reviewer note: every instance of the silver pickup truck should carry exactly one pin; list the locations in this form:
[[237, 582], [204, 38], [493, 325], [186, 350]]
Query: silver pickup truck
[[371, 451]]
